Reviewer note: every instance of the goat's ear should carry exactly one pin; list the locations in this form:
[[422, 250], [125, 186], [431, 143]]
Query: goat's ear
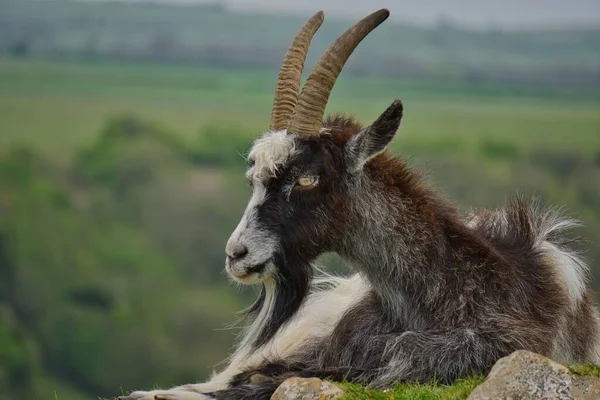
[[373, 139]]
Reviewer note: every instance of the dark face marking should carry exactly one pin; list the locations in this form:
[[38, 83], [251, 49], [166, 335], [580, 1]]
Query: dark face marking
[[306, 219]]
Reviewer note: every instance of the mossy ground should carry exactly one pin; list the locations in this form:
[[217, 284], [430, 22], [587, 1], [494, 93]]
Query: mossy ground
[[414, 391]]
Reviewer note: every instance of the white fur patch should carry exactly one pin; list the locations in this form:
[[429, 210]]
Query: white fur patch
[[571, 269], [317, 318], [269, 153], [171, 394], [260, 244]]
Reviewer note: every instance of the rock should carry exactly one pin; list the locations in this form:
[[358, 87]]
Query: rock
[[586, 387], [306, 389], [525, 375]]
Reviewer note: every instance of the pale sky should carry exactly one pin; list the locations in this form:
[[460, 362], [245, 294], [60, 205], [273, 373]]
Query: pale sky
[[473, 13]]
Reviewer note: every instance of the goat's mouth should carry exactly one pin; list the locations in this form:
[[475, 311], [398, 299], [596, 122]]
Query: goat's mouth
[[257, 269], [249, 275]]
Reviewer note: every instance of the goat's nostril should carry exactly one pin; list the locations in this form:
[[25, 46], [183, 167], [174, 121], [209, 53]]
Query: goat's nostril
[[241, 252], [238, 252]]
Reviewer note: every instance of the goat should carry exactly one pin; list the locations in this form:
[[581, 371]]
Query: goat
[[436, 295]]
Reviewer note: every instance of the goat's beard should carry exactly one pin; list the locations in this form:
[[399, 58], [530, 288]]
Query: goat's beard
[[280, 298]]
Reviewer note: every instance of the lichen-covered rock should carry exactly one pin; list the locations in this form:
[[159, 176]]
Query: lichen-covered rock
[[306, 389], [526, 375]]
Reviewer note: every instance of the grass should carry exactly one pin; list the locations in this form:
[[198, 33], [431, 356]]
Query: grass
[[586, 370], [413, 391], [58, 107]]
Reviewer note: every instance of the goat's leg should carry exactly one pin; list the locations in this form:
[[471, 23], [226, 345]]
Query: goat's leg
[[259, 391], [252, 383], [186, 392], [378, 360], [443, 356], [195, 391], [381, 361], [260, 383], [171, 394]]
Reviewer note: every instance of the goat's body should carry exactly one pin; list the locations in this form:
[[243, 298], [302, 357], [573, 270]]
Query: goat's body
[[366, 347], [341, 330]]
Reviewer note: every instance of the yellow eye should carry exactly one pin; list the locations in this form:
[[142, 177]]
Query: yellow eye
[[309, 180]]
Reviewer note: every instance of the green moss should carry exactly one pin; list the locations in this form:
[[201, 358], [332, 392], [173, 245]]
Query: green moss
[[413, 391], [588, 369]]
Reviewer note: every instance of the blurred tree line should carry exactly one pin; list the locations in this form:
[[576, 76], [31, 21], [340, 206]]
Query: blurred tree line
[[111, 266]]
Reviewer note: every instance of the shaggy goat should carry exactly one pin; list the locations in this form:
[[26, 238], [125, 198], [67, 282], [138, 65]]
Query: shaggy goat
[[437, 294]]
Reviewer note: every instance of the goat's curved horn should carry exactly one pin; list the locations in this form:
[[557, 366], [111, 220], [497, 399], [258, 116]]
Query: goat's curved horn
[[308, 115], [290, 74]]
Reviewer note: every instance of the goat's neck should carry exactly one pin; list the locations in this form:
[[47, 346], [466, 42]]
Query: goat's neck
[[404, 240]]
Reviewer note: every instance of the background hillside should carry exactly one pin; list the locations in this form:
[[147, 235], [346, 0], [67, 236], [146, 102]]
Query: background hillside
[[122, 131], [540, 60]]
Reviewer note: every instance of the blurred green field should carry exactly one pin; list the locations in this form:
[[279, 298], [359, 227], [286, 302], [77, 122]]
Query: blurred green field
[[58, 107]]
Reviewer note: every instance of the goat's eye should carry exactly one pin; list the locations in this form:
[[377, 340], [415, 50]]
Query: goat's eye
[[308, 180]]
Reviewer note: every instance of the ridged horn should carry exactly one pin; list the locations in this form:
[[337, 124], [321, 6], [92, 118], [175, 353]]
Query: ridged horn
[[308, 115], [290, 74]]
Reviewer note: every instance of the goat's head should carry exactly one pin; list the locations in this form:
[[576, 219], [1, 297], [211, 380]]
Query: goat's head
[[304, 173]]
